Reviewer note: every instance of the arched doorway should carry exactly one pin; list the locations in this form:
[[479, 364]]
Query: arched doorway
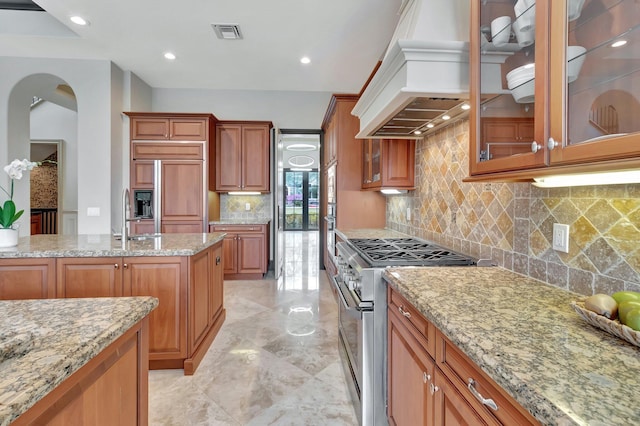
[[42, 108]]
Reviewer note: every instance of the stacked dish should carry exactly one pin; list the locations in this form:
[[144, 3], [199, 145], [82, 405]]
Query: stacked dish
[[521, 83]]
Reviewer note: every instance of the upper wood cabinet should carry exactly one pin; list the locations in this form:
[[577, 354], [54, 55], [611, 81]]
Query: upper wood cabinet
[[555, 64], [164, 128], [388, 163], [243, 156]]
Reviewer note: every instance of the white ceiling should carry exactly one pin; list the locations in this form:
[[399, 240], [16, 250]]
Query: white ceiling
[[343, 38]]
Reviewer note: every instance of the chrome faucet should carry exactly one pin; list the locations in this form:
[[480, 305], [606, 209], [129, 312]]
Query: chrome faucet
[[126, 212]]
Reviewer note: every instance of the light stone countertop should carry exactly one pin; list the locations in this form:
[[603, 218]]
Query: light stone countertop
[[42, 342], [256, 221], [347, 234], [105, 245], [526, 336]]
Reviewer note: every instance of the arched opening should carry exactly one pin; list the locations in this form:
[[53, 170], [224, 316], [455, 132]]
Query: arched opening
[[43, 124]]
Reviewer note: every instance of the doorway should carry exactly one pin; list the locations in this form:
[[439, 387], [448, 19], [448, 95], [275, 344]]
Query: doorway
[[301, 203]]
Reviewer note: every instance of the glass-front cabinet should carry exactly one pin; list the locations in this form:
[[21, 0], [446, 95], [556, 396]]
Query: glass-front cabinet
[[555, 85]]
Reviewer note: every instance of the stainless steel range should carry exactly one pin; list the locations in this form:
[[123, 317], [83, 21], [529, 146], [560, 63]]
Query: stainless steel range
[[363, 311]]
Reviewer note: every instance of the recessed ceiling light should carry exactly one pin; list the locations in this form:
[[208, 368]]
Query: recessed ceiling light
[[305, 60], [417, 132], [619, 43], [465, 106], [79, 20], [170, 56], [430, 125], [445, 117]]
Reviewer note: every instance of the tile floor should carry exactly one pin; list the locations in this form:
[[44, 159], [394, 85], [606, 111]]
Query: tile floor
[[275, 360]]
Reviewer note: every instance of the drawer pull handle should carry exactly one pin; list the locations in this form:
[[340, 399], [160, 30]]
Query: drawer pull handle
[[484, 401], [403, 312], [433, 388]]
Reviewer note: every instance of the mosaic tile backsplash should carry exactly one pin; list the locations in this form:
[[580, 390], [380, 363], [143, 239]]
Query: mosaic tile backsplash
[[234, 207], [511, 223]]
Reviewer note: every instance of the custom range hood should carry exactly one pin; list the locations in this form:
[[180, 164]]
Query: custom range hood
[[424, 75]]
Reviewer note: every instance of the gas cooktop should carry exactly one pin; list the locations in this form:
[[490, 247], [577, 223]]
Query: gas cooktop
[[381, 252]]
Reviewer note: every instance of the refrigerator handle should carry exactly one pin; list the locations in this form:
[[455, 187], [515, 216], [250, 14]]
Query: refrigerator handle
[[157, 199]]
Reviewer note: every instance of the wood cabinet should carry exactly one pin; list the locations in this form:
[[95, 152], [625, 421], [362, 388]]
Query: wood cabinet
[[243, 156], [27, 279], [89, 277], [504, 137], [169, 128], [431, 382], [112, 388], [580, 104], [245, 250], [388, 164]]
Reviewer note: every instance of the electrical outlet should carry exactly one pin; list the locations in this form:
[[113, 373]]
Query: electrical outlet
[[561, 237], [93, 211], [247, 206], [408, 213]]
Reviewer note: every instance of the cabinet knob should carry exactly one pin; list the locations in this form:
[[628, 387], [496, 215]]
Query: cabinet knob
[[426, 377], [433, 388], [217, 260], [484, 401], [551, 143], [115, 265], [535, 147], [125, 266]]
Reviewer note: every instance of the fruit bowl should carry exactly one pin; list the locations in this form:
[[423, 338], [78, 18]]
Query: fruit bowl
[[603, 323]]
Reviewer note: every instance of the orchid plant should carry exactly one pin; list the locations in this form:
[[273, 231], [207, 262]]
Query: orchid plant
[[8, 214]]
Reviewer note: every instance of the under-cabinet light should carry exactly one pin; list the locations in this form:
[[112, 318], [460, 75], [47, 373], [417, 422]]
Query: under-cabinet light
[[393, 191], [619, 43], [603, 178], [430, 125], [243, 193], [465, 106]]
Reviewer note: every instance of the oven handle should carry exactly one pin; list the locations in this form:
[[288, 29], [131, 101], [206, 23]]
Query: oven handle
[[352, 309]]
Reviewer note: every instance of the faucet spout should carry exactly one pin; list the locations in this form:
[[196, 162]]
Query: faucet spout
[[126, 208]]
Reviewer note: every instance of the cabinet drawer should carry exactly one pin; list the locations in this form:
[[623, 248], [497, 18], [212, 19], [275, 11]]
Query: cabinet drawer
[[461, 370], [168, 150], [237, 228], [413, 319]]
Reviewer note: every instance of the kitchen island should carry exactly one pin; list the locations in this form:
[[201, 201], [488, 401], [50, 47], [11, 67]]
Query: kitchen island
[[526, 337], [183, 271], [82, 360]]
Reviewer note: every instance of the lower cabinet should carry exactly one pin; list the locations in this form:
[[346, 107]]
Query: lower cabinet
[[189, 290], [246, 250], [27, 279], [431, 382], [111, 389]]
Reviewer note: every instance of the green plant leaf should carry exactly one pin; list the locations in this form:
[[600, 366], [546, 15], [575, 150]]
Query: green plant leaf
[[8, 212]]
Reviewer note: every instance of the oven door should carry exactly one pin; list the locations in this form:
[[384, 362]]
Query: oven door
[[355, 330]]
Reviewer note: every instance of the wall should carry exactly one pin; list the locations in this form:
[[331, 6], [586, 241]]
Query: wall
[[511, 223]]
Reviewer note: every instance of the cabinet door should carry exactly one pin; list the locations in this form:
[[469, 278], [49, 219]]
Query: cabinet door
[[142, 174], [393, 163], [411, 371], [142, 227], [182, 191], [255, 158], [216, 295], [166, 279], [230, 253], [149, 128], [27, 279], [450, 406], [184, 129], [503, 84], [251, 253], [89, 277], [228, 157], [367, 163], [181, 227], [200, 278], [595, 86]]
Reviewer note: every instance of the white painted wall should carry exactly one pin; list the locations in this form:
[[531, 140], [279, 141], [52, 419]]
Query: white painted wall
[[91, 82], [287, 110]]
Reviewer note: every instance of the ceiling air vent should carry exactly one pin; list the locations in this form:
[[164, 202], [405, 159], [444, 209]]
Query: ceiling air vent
[[227, 31]]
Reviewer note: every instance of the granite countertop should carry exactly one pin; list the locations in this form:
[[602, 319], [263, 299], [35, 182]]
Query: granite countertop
[[42, 342], [347, 234], [256, 221], [526, 336], [105, 245]]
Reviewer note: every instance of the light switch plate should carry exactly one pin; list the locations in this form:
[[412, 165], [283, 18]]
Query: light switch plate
[[408, 213], [247, 206], [561, 237], [93, 211]]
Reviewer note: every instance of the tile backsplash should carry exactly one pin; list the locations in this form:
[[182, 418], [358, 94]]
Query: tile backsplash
[[511, 223], [234, 207]]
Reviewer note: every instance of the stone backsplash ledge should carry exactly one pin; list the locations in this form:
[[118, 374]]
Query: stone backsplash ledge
[[511, 223]]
